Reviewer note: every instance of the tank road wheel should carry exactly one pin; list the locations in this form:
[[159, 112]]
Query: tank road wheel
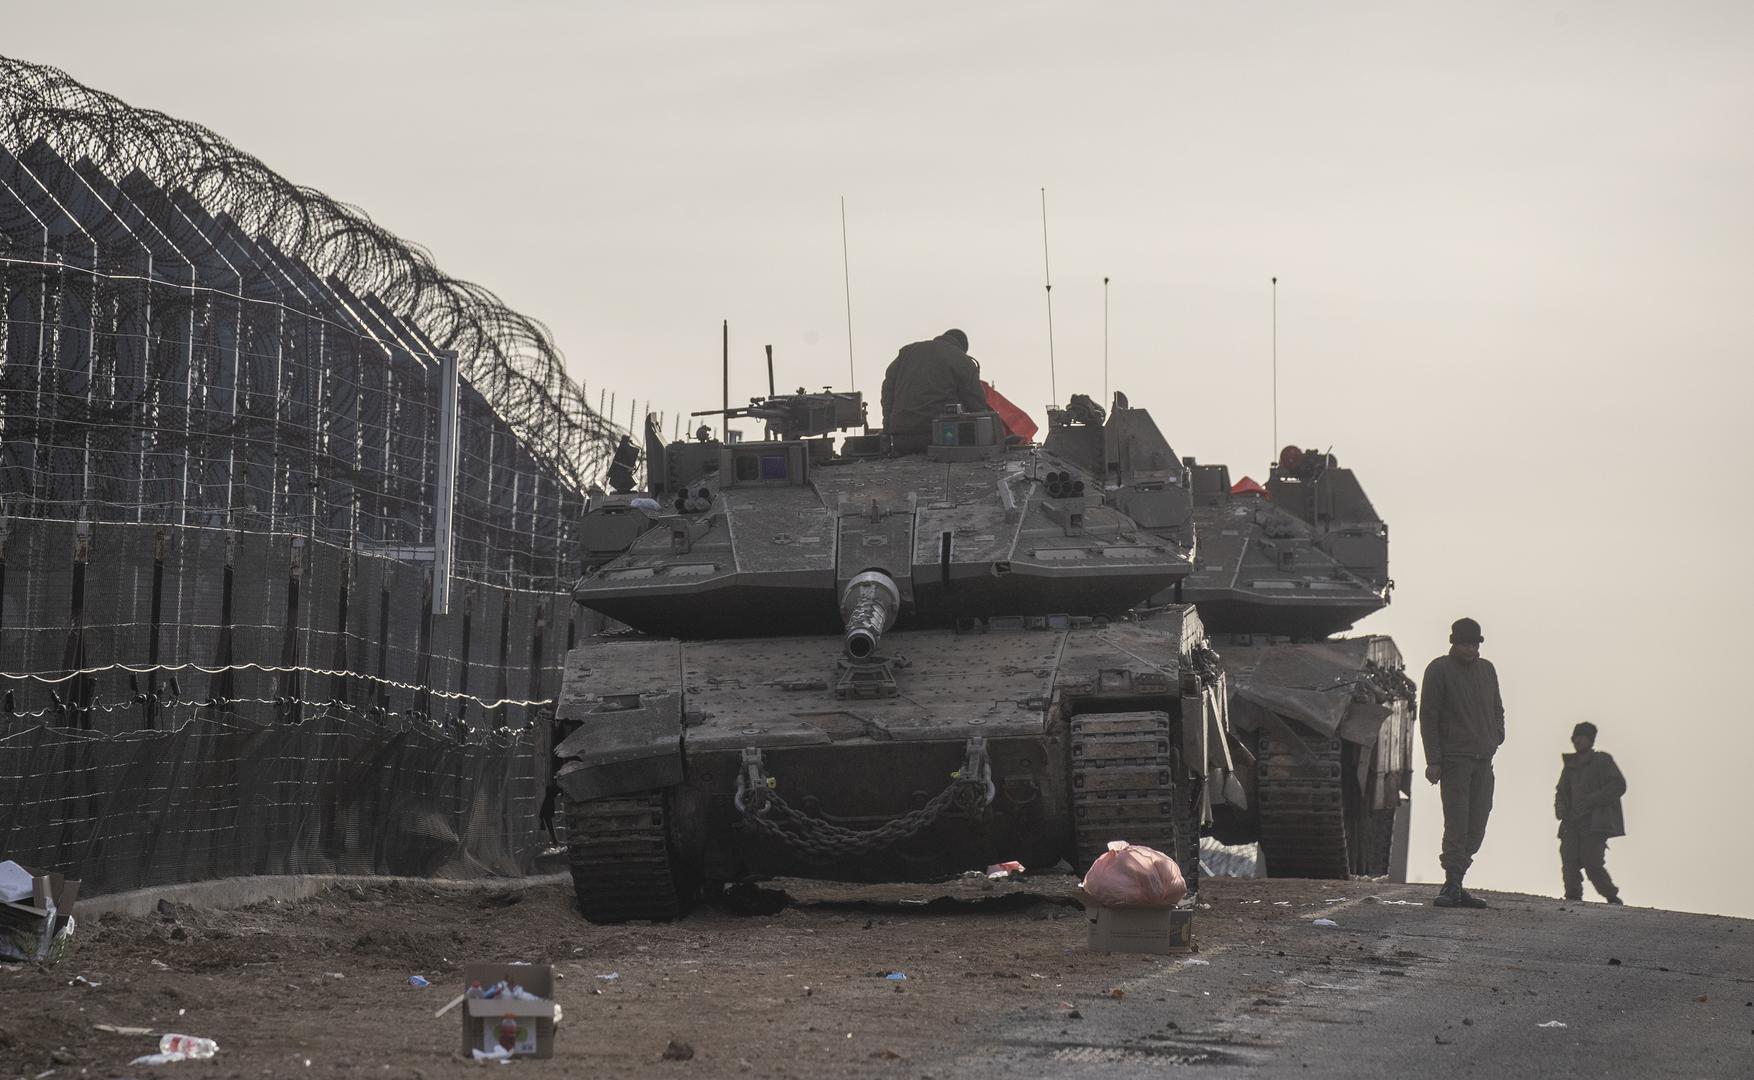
[[1302, 807], [1127, 785], [623, 863]]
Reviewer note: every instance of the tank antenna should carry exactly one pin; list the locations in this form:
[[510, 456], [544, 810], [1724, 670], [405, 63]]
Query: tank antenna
[[725, 417], [1275, 456], [846, 278], [1048, 279], [770, 371], [1105, 398]]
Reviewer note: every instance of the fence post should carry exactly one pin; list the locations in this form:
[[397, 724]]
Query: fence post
[[444, 484]]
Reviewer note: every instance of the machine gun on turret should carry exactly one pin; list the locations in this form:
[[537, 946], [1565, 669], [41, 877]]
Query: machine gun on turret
[[802, 415]]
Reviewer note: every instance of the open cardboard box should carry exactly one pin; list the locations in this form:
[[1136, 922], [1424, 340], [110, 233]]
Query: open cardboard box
[[39, 928], [1142, 930], [535, 1019]]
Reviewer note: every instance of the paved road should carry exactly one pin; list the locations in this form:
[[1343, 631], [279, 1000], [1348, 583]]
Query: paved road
[[1401, 991]]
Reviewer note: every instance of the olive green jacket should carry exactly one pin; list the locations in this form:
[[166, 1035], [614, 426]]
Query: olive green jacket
[[1588, 798]]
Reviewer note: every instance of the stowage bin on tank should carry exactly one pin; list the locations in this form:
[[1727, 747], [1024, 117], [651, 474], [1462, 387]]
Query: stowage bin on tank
[[849, 663]]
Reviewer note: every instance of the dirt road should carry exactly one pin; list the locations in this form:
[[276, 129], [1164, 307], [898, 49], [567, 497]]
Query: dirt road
[[998, 983]]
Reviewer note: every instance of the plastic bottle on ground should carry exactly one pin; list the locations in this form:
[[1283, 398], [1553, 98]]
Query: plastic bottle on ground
[[190, 1046]]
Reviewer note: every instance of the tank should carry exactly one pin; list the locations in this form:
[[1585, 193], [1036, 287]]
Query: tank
[[1323, 724], [842, 662]]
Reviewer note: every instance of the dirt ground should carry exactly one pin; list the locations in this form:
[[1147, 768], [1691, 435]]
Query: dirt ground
[[290, 988]]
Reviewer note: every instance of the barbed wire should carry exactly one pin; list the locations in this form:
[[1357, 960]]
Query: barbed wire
[[508, 357]]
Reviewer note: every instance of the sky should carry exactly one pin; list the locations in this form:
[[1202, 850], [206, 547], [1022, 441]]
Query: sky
[[1511, 240]]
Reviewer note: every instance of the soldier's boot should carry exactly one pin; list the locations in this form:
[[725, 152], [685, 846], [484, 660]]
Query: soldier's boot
[[1615, 899], [1469, 900], [1450, 895]]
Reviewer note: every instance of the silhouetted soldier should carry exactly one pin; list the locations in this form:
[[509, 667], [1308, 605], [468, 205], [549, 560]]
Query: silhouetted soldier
[[1587, 804], [1461, 718], [621, 469], [922, 380]]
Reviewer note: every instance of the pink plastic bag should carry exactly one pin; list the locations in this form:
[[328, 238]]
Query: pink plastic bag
[[1127, 875]]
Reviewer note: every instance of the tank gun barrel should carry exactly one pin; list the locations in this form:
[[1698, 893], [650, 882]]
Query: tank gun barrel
[[868, 607]]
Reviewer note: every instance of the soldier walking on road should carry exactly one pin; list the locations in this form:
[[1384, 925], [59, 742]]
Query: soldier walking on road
[[1461, 719], [1588, 807]]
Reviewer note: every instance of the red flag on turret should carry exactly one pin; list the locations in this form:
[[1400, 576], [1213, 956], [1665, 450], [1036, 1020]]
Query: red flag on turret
[[1247, 486], [1016, 421]]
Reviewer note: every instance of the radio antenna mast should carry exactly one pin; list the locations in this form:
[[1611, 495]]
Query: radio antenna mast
[[1048, 278], [846, 278], [1275, 456], [1106, 401]]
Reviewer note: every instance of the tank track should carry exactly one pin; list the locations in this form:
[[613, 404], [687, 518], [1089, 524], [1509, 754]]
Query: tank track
[[622, 866], [1312, 824], [1125, 773], [1303, 807]]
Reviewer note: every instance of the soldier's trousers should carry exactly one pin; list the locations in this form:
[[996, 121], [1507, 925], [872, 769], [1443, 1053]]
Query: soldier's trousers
[[1466, 788], [1583, 853]]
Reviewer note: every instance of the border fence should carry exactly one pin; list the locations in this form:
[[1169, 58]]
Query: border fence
[[286, 519]]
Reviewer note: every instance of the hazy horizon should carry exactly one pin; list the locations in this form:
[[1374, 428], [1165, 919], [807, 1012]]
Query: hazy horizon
[[1512, 244]]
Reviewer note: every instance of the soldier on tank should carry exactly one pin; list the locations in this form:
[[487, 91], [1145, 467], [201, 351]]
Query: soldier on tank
[[621, 468], [1461, 720], [923, 379], [1587, 804]]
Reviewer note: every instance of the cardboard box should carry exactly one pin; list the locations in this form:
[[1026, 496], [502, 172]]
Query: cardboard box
[[535, 1019], [39, 928], [1146, 930]]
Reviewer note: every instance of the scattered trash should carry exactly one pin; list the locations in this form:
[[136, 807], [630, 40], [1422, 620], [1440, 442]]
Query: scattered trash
[[1703, 998], [1195, 962], [334, 975], [116, 1030], [677, 1050], [160, 964], [1324, 922], [518, 1017], [998, 871], [36, 916], [498, 1053], [1552, 1024], [1134, 876], [1231, 860], [418, 982], [453, 1003], [1398, 903], [15, 882], [1613, 961], [611, 977], [174, 1047], [1117, 993], [1335, 900], [896, 976], [1281, 903], [81, 980]]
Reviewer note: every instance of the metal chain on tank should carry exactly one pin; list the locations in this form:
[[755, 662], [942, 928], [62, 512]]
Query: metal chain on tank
[[768, 813]]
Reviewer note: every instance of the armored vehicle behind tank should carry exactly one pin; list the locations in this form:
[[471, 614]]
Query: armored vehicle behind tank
[[854, 664], [1323, 724]]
